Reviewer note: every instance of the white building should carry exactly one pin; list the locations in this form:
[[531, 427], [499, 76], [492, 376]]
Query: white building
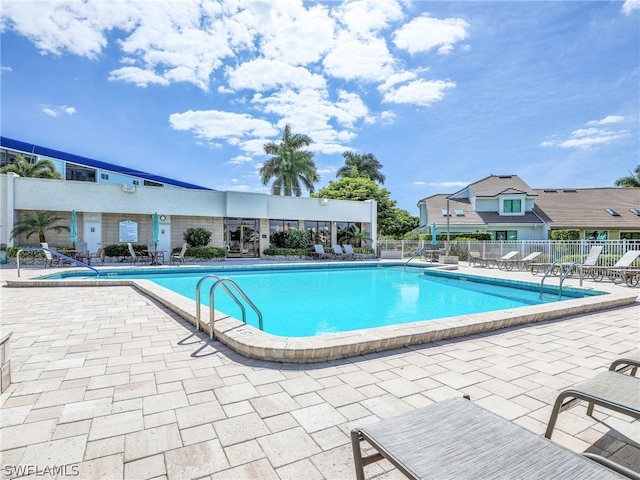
[[114, 204]]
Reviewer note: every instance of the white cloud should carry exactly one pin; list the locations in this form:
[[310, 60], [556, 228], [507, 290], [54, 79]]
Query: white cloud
[[448, 184], [630, 5], [419, 92], [584, 138], [425, 33], [309, 64], [262, 74], [6, 69], [58, 110], [240, 160], [607, 120], [214, 124]]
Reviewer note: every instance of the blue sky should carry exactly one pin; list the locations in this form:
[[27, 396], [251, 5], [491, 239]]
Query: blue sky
[[442, 93]]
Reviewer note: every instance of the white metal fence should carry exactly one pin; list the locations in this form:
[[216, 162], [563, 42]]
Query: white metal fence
[[552, 250]]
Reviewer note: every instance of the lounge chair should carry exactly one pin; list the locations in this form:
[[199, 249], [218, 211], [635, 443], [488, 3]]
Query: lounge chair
[[339, 253], [620, 269], [348, 249], [591, 261], [609, 389], [630, 361], [319, 252], [49, 259], [98, 256], [82, 252], [136, 257], [178, 257], [490, 262], [458, 439], [475, 258], [523, 263]]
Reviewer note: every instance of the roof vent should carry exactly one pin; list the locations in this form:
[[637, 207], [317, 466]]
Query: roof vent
[[612, 212], [569, 190], [550, 191], [635, 211]]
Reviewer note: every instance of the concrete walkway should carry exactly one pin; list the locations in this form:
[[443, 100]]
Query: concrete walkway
[[112, 385]]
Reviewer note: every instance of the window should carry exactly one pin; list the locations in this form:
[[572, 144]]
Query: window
[[319, 232], [629, 235], [344, 230], [512, 206], [503, 235], [149, 183], [104, 176], [459, 213], [278, 229], [79, 173], [635, 211], [8, 157], [445, 213], [596, 235], [136, 182], [612, 212]]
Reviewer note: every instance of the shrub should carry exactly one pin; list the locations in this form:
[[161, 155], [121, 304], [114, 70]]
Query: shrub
[[203, 253], [297, 239], [286, 252], [565, 235], [197, 236]]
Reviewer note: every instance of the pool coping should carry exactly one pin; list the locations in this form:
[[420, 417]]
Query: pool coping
[[254, 343]]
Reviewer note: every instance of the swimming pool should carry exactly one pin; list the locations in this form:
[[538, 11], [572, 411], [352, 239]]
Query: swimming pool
[[300, 302], [254, 343]]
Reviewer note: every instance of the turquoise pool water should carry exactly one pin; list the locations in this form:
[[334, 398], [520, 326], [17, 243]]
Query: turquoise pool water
[[301, 302]]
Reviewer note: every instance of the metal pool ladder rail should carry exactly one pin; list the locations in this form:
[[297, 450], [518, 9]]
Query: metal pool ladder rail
[[563, 276], [54, 253], [223, 282], [415, 255]]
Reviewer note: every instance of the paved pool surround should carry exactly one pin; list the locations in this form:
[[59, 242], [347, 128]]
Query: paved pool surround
[[253, 343]]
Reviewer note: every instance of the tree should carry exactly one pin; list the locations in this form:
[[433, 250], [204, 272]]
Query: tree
[[365, 166], [403, 223], [361, 189], [39, 222], [290, 165], [39, 169], [631, 180], [357, 237]]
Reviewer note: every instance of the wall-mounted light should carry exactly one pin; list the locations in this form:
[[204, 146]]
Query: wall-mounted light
[[163, 218], [324, 202]]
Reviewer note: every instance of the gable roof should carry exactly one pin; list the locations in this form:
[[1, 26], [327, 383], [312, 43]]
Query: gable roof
[[586, 207], [89, 162], [495, 185]]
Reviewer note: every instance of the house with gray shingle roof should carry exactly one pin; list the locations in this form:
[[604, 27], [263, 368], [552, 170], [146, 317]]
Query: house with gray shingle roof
[[509, 209]]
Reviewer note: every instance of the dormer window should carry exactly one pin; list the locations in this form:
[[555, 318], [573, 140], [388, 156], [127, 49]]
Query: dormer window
[[513, 205]]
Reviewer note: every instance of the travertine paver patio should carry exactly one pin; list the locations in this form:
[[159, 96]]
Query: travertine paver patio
[[114, 386]]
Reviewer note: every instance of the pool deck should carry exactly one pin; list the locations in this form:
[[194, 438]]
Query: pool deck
[[113, 384]]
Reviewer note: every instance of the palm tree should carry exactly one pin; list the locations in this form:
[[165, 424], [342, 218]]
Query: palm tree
[[631, 180], [39, 223], [357, 165], [39, 169], [290, 165], [357, 237]]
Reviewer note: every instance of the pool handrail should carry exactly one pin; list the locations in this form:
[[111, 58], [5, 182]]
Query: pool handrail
[[424, 249], [52, 252], [212, 309], [244, 314]]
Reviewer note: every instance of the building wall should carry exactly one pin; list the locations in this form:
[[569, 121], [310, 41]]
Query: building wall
[[183, 208]]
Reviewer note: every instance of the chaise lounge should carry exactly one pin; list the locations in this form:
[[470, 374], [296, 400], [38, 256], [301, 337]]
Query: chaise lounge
[[457, 439], [609, 389]]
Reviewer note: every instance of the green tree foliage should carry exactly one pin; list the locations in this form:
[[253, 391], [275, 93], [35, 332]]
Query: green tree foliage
[[197, 236], [357, 165], [631, 180], [360, 189], [38, 223], [290, 166], [39, 169], [403, 223]]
